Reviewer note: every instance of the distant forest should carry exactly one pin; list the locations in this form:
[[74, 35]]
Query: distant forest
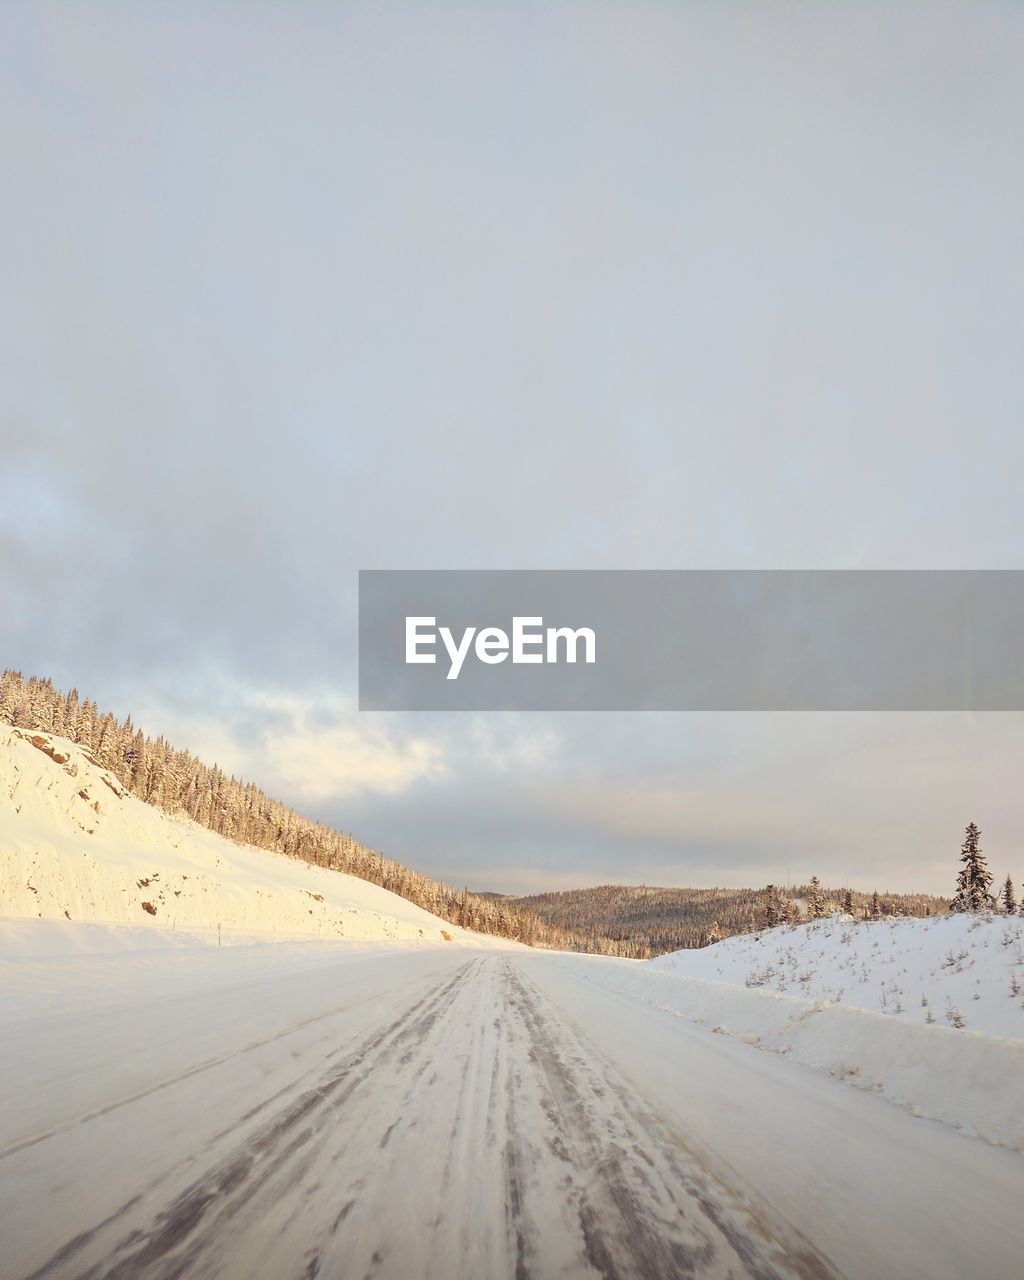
[[611, 920], [660, 920]]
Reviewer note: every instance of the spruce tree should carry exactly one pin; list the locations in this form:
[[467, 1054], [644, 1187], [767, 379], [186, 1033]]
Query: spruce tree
[[975, 880], [848, 902], [816, 899], [1009, 898]]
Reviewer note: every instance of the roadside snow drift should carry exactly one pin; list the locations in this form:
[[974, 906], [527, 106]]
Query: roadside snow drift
[[914, 970], [75, 846]]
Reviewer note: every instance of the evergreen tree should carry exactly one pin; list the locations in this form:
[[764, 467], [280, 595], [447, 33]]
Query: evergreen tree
[[816, 899], [10, 693], [106, 746], [1009, 898], [83, 731], [71, 714], [975, 880], [848, 902]]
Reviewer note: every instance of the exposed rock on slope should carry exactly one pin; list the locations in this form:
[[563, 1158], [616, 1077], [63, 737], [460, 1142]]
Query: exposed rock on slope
[[75, 845]]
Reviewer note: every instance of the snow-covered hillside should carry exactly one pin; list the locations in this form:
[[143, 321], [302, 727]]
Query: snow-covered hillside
[[74, 845], [959, 971]]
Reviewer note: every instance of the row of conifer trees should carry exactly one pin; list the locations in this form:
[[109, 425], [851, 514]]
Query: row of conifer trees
[[177, 782]]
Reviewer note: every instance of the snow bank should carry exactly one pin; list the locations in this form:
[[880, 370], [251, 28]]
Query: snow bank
[[75, 846], [962, 1078], [60, 970], [959, 970]]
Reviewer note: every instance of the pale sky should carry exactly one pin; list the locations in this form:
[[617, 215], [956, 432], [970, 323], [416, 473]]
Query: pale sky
[[295, 290]]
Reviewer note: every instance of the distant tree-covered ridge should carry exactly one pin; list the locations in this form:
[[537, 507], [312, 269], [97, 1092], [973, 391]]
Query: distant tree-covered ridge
[[660, 920]]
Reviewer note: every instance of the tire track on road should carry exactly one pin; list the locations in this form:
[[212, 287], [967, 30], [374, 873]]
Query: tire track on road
[[172, 1245], [475, 1135], [645, 1204]]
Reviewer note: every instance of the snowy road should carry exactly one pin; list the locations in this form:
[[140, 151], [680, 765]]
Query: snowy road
[[453, 1114]]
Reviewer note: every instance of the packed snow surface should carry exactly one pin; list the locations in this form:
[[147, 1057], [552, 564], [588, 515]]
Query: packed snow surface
[[403, 1110], [960, 971], [74, 845]]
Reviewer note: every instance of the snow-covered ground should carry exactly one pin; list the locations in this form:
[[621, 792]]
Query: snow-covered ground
[[324, 1087], [927, 1013], [74, 846], [333, 1109], [956, 970]]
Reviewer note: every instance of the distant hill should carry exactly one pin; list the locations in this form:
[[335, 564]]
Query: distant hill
[[655, 920]]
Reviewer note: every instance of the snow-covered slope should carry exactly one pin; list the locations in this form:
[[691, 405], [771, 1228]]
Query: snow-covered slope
[[929, 1012], [960, 971], [75, 846]]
